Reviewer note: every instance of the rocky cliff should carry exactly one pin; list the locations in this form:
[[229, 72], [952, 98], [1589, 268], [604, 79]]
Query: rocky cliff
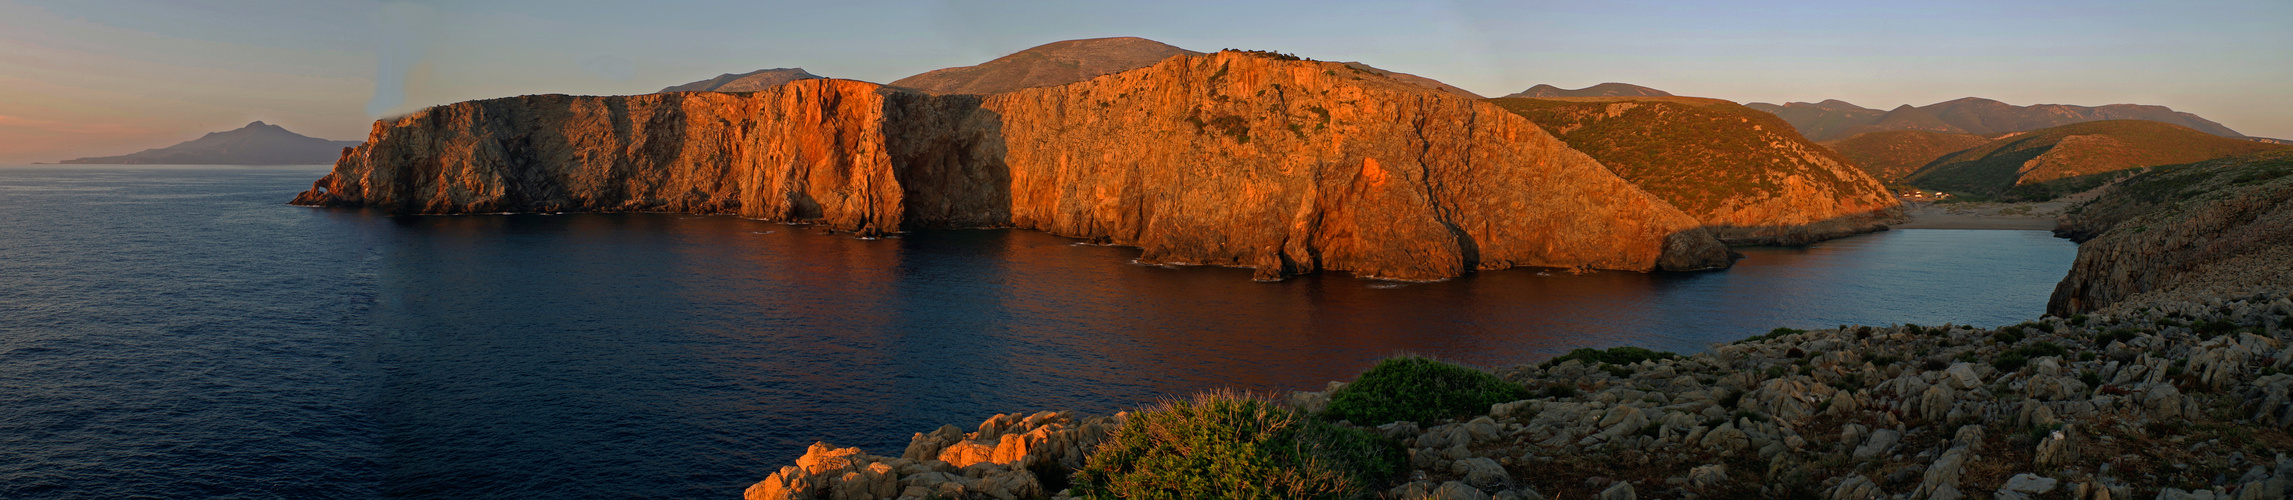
[[1228, 159], [1745, 174], [2184, 232]]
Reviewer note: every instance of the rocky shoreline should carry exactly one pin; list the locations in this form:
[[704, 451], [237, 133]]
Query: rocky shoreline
[[2162, 373], [2183, 400]]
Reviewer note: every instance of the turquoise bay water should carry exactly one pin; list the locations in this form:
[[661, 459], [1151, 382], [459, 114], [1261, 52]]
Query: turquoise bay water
[[180, 332]]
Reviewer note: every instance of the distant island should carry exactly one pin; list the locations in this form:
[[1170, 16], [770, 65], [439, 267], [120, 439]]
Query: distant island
[[257, 143]]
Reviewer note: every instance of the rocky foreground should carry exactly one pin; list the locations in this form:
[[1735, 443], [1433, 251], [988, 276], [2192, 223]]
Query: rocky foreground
[[2179, 401]]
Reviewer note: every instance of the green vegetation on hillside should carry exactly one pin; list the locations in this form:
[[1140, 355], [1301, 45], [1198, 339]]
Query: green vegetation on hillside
[[1892, 155], [2157, 189], [1696, 154], [2065, 154], [1228, 445]]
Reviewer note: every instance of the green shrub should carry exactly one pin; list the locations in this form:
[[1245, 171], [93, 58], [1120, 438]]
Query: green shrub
[[1914, 328], [2214, 327], [1419, 390], [1773, 334], [1614, 356], [2090, 377], [2009, 362], [2118, 335], [2008, 334], [2078, 320], [1227, 445], [1883, 361], [1558, 391]]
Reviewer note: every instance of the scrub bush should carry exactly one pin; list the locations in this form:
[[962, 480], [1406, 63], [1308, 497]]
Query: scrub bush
[[1230, 445]]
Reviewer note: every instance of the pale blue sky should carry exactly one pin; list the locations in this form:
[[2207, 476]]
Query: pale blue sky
[[86, 77]]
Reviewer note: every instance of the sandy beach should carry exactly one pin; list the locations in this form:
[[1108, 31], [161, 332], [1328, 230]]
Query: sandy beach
[[2024, 216]]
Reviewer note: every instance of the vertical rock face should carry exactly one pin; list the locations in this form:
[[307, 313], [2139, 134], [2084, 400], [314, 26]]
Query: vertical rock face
[[2184, 232], [810, 150], [1747, 175], [1224, 159]]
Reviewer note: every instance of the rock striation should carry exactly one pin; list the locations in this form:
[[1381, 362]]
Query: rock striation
[[2212, 228], [1746, 175], [1231, 159]]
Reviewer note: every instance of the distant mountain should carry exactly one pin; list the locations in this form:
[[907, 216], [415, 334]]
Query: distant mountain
[[745, 82], [257, 143], [1051, 64], [2049, 162], [1611, 89], [1834, 119], [1746, 175], [1892, 155], [1830, 118]]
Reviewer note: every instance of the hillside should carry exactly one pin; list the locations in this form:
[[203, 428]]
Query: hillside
[[1893, 155], [257, 143], [1745, 174], [1611, 89], [2215, 228], [1830, 118], [745, 82], [1416, 80], [2022, 166], [1056, 63], [1834, 119], [1231, 159]]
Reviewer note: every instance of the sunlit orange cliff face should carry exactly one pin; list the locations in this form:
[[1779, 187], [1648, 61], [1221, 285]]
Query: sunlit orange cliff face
[[1232, 159]]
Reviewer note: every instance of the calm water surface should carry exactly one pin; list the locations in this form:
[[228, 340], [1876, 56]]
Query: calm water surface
[[178, 332]]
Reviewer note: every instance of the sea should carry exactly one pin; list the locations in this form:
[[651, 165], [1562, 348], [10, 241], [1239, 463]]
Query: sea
[[182, 332]]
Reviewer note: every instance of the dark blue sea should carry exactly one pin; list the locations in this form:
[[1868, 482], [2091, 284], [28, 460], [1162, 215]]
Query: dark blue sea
[[180, 332]]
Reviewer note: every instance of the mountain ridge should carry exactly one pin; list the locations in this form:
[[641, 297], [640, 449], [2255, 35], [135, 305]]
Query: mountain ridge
[[1834, 119], [745, 82], [1610, 89], [257, 143]]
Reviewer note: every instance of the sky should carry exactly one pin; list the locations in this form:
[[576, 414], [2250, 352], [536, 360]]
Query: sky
[[105, 77]]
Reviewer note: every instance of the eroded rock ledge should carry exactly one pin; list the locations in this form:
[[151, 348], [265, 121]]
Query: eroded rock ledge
[[2189, 400], [1225, 159]]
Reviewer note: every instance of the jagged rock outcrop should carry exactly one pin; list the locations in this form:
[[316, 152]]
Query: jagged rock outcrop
[[1229, 159], [1745, 174], [745, 82], [2213, 228]]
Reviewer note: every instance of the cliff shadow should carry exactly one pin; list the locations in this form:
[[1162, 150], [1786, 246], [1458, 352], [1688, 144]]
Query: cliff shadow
[[948, 154]]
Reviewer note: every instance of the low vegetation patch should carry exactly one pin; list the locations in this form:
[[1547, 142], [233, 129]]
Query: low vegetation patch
[[1232, 445], [1415, 389]]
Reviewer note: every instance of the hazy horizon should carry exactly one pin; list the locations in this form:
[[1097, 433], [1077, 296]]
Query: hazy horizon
[[92, 78]]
